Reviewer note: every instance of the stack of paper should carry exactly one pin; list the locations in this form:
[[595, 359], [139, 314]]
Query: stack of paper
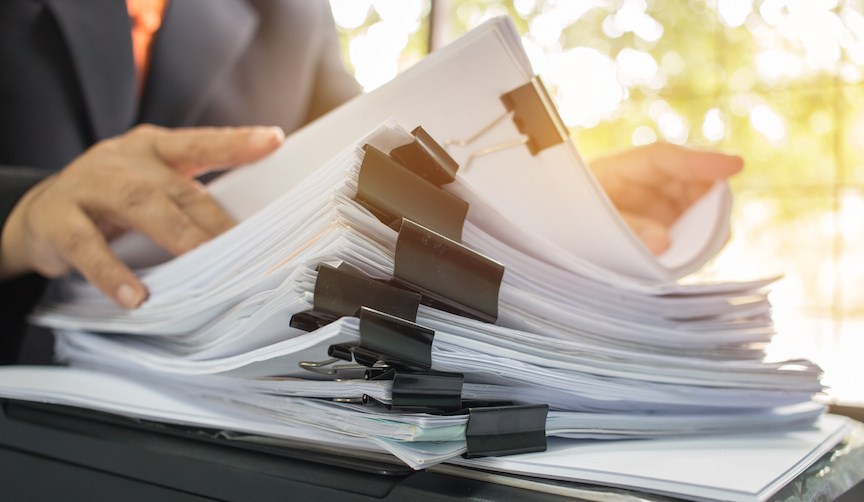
[[738, 467], [225, 309], [585, 320]]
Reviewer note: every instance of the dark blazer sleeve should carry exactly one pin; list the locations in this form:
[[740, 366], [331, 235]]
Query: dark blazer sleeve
[[18, 295], [14, 183]]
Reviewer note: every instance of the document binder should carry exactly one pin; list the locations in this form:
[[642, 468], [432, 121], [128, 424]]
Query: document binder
[[390, 192], [425, 157], [341, 293], [447, 275], [430, 392], [450, 276], [397, 342], [534, 116], [505, 430]]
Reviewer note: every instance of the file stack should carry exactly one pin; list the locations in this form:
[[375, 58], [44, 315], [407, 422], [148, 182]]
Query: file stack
[[430, 298]]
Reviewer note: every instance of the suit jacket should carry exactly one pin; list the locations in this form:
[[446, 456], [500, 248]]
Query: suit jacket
[[68, 81]]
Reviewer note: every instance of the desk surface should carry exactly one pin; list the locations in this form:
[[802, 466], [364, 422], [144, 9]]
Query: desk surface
[[59, 453]]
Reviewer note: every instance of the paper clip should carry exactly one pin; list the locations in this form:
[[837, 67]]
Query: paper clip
[[391, 191], [426, 158], [506, 430], [329, 366], [534, 115], [430, 392], [340, 292], [447, 274], [428, 268], [386, 341]]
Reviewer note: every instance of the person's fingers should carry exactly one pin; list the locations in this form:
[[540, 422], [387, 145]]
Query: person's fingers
[[685, 164], [195, 151], [660, 181], [137, 180], [193, 199], [656, 163], [647, 201], [140, 204], [110, 227], [682, 194], [653, 234], [82, 246]]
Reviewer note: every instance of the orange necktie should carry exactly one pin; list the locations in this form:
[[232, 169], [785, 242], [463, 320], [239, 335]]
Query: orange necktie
[[146, 16]]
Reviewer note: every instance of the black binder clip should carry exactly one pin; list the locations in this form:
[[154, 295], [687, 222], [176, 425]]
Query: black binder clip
[[506, 430], [534, 115], [397, 342], [450, 276], [386, 342], [426, 158], [429, 392], [390, 191], [340, 292]]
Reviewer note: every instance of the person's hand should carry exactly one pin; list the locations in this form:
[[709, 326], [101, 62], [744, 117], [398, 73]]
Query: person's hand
[[653, 185], [139, 180]]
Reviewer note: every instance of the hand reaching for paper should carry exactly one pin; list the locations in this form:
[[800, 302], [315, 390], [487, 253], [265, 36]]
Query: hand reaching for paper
[[653, 185], [139, 180]]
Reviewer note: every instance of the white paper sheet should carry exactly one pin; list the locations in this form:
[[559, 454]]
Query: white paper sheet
[[453, 94], [740, 468]]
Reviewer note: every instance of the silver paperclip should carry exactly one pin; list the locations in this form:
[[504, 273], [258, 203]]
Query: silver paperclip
[[328, 366], [534, 115]]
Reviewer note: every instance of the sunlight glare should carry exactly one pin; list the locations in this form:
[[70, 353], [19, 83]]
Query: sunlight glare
[[644, 135], [350, 14], [854, 41], [588, 88], [733, 13], [400, 12], [631, 17], [571, 11], [713, 125], [374, 55], [635, 67], [851, 218], [812, 25], [768, 122], [647, 28], [657, 108], [524, 7], [772, 11], [673, 127], [545, 29], [775, 65]]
